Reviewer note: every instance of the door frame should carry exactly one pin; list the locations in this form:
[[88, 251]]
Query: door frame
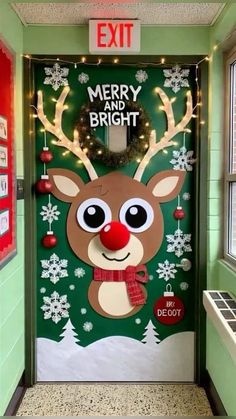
[[200, 225]]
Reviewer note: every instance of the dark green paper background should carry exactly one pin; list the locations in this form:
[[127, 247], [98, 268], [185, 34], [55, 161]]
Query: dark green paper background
[[77, 298]]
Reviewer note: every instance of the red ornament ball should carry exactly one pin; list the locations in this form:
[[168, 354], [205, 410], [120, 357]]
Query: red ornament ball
[[46, 156], [169, 310], [49, 241], [44, 186], [114, 235], [179, 213]]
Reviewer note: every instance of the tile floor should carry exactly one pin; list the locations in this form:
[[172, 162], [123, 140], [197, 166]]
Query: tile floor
[[115, 400]]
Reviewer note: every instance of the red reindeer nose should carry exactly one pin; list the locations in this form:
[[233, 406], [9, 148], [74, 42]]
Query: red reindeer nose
[[114, 235]]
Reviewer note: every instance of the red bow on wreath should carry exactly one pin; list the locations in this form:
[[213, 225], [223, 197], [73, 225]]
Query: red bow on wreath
[[131, 275]]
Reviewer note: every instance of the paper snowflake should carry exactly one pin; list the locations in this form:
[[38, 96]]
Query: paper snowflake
[[138, 321], [83, 310], [178, 243], [49, 213], [42, 290], [141, 76], [54, 268], [166, 270], [72, 287], [83, 78], [184, 286], [79, 272], [88, 326], [55, 307], [151, 277], [175, 78], [56, 76], [182, 159], [186, 196]]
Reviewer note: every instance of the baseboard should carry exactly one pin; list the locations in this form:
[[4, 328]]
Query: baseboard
[[16, 398], [217, 406]]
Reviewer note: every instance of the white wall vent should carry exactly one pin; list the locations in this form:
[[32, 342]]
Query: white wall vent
[[221, 309]]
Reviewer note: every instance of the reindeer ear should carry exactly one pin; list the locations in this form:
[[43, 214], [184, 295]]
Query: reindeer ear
[[66, 184], [166, 185]]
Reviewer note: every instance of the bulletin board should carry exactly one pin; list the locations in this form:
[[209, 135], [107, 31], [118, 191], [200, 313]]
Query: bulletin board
[[7, 157]]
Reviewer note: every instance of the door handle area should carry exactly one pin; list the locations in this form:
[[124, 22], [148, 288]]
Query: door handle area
[[185, 264]]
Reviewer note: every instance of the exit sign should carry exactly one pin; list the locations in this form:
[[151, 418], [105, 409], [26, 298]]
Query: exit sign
[[114, 36]]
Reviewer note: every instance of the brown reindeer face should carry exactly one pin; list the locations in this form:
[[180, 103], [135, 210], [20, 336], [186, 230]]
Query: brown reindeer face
[[115, 197]]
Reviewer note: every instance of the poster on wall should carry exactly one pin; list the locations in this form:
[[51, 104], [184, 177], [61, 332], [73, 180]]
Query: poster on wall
[[7, 173], [115, 161]]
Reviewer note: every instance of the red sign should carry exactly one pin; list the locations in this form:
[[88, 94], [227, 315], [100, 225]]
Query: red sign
[[169, 310], [112, 36], [7, 176]]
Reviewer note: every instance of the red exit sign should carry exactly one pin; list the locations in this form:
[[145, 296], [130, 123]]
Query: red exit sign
[[114, 36]]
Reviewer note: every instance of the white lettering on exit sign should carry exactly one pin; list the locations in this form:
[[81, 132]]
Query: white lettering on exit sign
[[114, 36]]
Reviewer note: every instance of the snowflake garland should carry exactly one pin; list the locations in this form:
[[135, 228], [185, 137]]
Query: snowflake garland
[[176, 78], [166, 270], [141, 76], [83, 78], [55, 307], [182, 159], [88, 326], [79, 272], [54, 268], [49, 213], [178, 243], [56, 76]]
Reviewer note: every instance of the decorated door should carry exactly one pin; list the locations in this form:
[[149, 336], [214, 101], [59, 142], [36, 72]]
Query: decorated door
[[115, 219]]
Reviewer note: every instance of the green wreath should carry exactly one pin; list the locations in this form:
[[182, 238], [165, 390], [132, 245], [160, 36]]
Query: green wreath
[[137, 141]]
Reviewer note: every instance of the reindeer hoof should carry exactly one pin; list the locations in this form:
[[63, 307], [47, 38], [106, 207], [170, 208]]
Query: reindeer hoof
[[110, 299]]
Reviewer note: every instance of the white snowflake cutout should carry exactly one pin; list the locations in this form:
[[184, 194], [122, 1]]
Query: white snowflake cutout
[[54, 268], [83, 310], [178, 243], [49, 213], [79, 272], [55, 307], [72, 287], [56, 76], [138, 321], [83, 78], [141, 76], [184, 286], [182, 159], [150, 277], [42, 290], [88, 326], [176, 78], [166, 270], [186, 196]]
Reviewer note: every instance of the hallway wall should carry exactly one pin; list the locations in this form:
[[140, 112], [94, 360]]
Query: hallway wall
[[220, 364], [12, 275]]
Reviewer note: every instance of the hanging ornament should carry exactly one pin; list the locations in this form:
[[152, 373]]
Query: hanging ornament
[[169, 309], [44, 185], [179, 213], [46, 155], [50, 240]]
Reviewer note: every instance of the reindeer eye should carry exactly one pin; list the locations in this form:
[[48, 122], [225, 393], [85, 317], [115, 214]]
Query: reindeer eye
[[93, 214], [137, 214]]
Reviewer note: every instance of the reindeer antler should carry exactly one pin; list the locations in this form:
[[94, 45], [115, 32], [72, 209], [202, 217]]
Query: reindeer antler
[[56, 130], [172, 130]]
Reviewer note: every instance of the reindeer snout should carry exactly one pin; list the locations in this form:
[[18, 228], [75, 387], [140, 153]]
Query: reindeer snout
[[114, 235]]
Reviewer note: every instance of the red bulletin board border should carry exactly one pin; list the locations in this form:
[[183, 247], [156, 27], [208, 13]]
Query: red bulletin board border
[[7, 156]]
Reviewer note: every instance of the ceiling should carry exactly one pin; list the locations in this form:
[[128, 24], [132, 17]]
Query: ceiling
[[149, 13]]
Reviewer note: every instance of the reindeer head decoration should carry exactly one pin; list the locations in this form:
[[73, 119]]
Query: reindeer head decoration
[[115, 222]]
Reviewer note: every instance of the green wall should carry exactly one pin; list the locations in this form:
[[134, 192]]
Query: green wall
[[154, 40], [12, 275], [220, 365]]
